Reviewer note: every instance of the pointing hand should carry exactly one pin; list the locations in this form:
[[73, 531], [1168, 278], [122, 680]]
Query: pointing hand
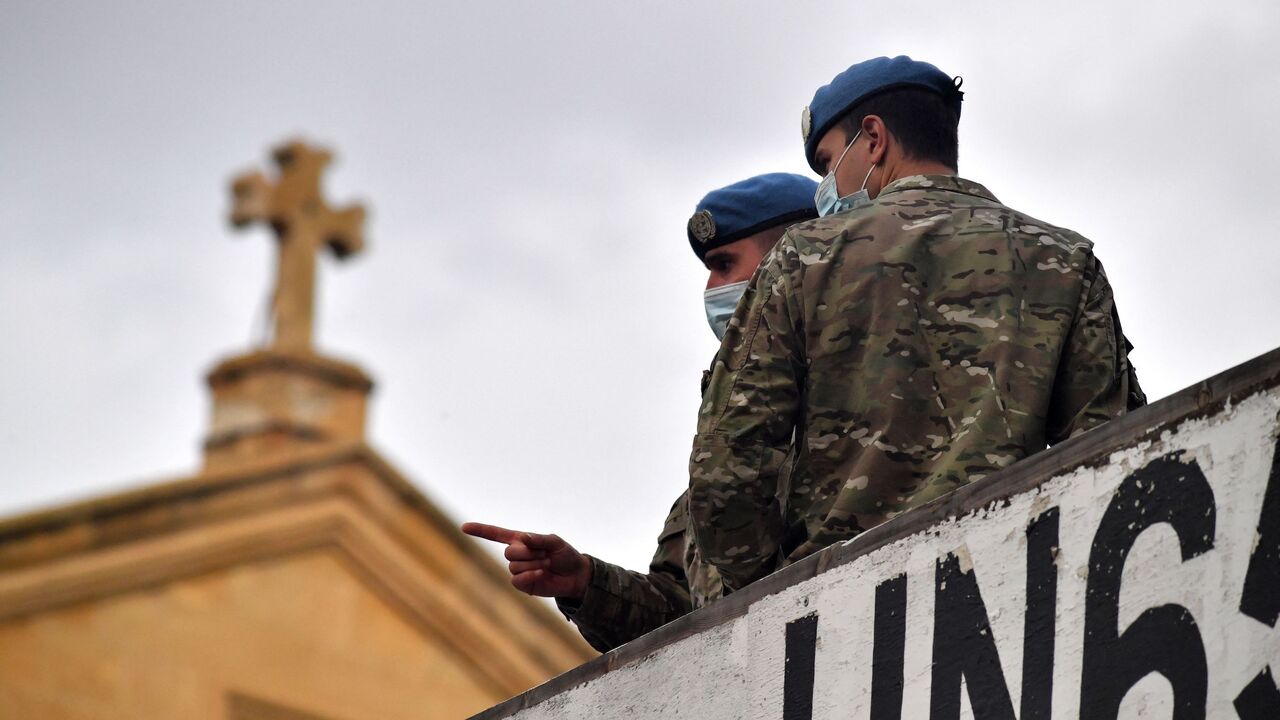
[[541, 565]]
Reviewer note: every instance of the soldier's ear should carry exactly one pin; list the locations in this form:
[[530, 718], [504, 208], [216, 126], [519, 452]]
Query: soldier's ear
[[877, 134]]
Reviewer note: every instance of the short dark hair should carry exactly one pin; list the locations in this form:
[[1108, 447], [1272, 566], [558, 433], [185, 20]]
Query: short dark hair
[[919, 119]]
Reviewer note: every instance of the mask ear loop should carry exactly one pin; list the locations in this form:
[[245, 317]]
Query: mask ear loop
[[831, 176], [868, 177], [846, 150]]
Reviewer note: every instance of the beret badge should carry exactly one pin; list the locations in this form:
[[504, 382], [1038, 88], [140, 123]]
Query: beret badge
[[702, 226], [806, 123]]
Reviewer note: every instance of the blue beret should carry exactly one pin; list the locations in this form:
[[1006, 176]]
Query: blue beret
[[860, 82], [747, 207]]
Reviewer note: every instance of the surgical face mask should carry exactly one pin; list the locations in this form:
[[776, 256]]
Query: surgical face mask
[[827, 198], [721, 302]]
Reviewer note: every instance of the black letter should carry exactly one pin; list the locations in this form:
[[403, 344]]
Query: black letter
[[1164, 639], [1260, 699], [1261, 597], [888, 648], [1039, 624], [963, 646], [969, 649], [797, 679]]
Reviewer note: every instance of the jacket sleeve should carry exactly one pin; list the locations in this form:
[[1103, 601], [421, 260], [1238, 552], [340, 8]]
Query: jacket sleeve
[[620, 605], [745, 427], [1095, 380]]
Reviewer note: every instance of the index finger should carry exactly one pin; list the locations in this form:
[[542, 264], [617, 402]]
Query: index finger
[[490, 532]]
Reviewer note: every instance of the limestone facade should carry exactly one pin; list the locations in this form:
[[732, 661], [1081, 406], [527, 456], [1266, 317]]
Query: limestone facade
[[324, 585]]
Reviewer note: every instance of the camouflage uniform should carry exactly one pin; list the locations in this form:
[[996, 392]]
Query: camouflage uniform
[[912, 345], [621, 605]]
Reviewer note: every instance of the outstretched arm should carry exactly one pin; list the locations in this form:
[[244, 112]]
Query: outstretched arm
[[615, 605]]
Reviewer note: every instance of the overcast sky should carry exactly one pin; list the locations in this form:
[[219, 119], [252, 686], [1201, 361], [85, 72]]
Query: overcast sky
[[528, 303]]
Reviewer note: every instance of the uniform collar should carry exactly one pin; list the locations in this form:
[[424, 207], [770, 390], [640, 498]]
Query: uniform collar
[[950, 183]]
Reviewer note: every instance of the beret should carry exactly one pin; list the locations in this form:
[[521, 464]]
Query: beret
[[745, 208], [860, 82]]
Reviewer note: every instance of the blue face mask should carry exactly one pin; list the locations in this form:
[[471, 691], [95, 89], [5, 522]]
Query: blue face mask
[[720, 303], [827, 198]]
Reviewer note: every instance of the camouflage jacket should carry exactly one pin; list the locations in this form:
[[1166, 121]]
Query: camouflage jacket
[[910, 346], [620, 605]]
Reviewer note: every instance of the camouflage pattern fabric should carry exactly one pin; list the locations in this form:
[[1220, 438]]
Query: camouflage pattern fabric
[[620, 605], [909, 346]]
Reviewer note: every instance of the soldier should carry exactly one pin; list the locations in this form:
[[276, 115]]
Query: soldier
[[731, 230], [918, 336]]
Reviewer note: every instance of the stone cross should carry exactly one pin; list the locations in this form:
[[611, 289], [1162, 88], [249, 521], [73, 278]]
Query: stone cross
[[303, 225]]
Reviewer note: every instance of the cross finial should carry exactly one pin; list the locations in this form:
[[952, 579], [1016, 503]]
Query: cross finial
[[303, 224]]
